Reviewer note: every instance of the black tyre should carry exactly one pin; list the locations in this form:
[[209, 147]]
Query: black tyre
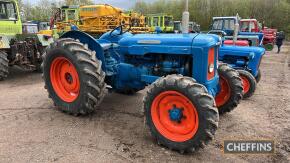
[[3, 65], [259, 76], [175, 101], [249, 83], [231, 89], [73, 77]]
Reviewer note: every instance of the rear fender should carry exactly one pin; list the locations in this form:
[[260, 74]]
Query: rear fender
[[90, 41]]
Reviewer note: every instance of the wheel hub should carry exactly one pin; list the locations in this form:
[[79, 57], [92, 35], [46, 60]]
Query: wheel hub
[[176, 114], [69, 78]]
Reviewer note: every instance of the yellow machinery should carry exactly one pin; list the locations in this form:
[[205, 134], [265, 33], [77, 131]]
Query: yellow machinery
[[101, 18], [98, 19], [137, 22]]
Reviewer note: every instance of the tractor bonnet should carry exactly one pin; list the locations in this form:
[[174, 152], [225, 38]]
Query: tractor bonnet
[[165, 43]]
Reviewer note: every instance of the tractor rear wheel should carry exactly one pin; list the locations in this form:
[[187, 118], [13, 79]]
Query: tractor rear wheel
[[180, 113], [73, 77], [3, 65], [249, 83], [231, 89], [259, 76]]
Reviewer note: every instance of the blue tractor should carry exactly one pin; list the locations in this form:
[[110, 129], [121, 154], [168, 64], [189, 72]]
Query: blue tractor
[[187, 89], [246, 60]]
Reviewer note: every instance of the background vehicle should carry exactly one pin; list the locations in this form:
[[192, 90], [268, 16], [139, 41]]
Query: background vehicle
[[250, 29], [247, 61], [96, 19], [181, 71], [193, 27], [225, 26], [253, 26], [162, 21], [19, 43], [237, 53]]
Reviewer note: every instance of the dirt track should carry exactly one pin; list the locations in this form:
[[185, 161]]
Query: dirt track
[[32, 130]]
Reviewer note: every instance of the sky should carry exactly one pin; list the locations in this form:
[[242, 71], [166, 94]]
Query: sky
[[124, 4]]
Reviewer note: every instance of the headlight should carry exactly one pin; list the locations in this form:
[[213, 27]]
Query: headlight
[[211, 68]]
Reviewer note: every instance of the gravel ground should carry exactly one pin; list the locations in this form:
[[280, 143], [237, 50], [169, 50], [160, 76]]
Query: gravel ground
[[32, 130]]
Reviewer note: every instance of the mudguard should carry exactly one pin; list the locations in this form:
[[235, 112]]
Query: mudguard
[[92, 43]]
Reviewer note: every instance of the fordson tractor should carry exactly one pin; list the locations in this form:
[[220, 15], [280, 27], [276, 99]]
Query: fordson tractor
[[187, 88], [19, 43], [246, 60]]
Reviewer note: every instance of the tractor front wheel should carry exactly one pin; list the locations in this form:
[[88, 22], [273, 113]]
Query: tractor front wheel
[[73, 77], [249, 83], [231, 89], [3, 65], [180, 113]]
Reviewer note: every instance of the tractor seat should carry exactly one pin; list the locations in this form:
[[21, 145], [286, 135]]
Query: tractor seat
[[238, 42]]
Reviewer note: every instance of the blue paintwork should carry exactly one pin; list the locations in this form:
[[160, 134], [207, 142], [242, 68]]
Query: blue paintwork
[[175, 114], [135, 61], [241, 57]]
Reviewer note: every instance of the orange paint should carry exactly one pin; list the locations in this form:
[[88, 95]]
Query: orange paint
[[172, 130], [64, 79]]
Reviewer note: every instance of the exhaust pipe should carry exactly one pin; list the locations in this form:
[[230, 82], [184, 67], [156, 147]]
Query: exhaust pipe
[[185, 19], [236, 30]]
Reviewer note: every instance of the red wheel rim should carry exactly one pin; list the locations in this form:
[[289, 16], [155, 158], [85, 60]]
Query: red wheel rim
[[64, 79], [182, 130], [225, 92], [246, 84]]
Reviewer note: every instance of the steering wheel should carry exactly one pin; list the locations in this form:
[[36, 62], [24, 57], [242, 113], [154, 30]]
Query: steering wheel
[[121, 27]]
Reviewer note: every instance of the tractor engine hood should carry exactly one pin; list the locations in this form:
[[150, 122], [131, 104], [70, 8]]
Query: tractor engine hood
[[241, 50], [142, 44]]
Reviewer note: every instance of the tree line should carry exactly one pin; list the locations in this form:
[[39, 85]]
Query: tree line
[[275, 13], [42, 10]]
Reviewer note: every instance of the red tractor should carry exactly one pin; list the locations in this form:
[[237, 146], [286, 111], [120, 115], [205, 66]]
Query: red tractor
[[252, 25]]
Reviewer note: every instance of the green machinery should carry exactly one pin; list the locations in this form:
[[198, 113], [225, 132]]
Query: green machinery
[[20, 44], [163, 21]]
